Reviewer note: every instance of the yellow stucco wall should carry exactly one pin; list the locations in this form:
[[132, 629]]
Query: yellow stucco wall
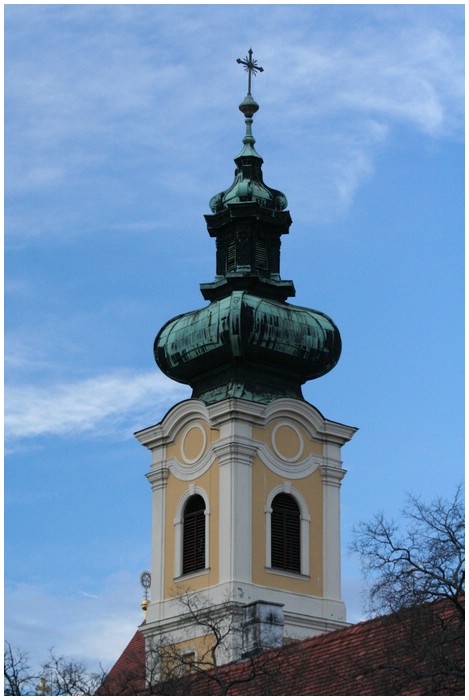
[[189, 443], [290, 440], [172, 655], [285, 439]]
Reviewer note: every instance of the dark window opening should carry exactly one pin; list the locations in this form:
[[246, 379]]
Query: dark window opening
[[231, 256], [262, 256], [285, 533], [193, 557]]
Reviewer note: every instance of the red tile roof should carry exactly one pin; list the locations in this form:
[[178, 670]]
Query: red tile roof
[[127, 676], [419, 652]]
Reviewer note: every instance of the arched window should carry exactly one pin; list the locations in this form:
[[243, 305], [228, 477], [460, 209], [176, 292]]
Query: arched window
[[193, 548], [285, 533]]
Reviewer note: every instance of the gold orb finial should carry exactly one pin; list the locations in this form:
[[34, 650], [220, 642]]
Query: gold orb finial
[[145, 581], [145, 604]]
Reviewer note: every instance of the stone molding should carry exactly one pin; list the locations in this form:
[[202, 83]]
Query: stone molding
[[305, 520], [158, 478], [179, 524], [332, 474]]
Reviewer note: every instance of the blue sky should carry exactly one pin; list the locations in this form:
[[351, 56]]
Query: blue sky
[[121, 121]]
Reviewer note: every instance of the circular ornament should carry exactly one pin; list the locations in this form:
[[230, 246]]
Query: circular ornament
[[287, 442], [145, 579], [193, 443]]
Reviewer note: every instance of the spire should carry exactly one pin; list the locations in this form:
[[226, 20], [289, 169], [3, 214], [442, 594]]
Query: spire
[[248, 343], [247, 221], [248, 185], [249, 106]]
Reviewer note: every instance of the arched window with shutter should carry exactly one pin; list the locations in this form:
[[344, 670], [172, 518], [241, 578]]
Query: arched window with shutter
[[193, 547], [285, 533]]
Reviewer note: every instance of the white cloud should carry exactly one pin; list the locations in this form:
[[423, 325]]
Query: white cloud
[[107, 402], [410, 71], [75, 110], [92, 628]]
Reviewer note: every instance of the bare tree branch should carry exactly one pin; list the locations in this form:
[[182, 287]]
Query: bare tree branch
[[18, 678], [425, 563], [417, 572], [69, 677]]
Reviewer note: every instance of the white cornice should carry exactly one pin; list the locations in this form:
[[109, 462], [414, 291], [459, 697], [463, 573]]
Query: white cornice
[[183, 413], [151, 437], [290, 470], [338, 432], [246, 411], [332, 474], [236, 409], [158, 477], [186, 472], [228, 449]]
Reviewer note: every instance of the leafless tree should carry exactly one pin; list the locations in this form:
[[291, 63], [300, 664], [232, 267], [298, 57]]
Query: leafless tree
[[57, 676], [18, 678], [65, 676], [225, 630], [422, 564], [170, 668], [416, 571]]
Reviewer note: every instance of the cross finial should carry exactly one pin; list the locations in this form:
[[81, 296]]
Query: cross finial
[[250, 66], [42, 688]]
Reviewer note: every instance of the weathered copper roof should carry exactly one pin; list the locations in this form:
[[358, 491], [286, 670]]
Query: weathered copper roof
[[248, 343], [248, 185], [243, 346]]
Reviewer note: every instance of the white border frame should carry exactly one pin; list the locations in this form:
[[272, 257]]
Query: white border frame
[[198, 425], [179, 527], [287, 424], [305, 520]]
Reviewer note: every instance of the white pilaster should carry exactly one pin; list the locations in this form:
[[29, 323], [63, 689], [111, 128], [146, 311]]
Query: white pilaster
[[331, 478], [235, 533], [158, 480]]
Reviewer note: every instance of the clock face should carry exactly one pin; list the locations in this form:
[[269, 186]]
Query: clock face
[[145, 579]]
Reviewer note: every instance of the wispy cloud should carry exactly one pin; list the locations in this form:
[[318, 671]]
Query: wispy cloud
[[395, 64], [104, 403], [88, 595], [133, 92], [94, 627]]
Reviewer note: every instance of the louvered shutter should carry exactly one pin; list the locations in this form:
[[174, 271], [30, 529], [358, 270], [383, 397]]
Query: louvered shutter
[[231, 256], [193, 557], [262, 256], [285, 533]]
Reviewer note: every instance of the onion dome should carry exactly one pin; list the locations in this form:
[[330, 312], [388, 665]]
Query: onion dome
[[243, 346], [248, 342]]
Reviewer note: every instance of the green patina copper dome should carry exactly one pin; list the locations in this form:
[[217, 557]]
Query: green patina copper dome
[[248, 342], [243, 346], [248, 184]]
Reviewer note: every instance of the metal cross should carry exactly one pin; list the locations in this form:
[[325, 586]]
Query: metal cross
[[251, 67], [43, 688]]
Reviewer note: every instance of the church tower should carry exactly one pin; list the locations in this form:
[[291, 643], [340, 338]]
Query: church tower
[[245, 475]]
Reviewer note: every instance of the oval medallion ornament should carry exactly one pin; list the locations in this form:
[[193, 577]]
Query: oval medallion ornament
[[287, 442], [193, 443]]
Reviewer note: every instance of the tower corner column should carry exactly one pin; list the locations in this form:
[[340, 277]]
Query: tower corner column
[[158, 479], [332, 476]]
